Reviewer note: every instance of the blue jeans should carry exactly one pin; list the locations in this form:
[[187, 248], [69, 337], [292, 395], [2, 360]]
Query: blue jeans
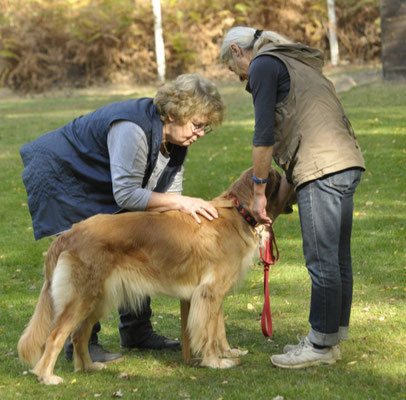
[[325, 210]]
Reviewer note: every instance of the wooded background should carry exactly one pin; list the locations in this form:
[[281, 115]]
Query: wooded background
[[77, 43], [393, 14]]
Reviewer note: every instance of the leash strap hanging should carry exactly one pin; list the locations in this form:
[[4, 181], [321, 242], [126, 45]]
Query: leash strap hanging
[[267, 257]]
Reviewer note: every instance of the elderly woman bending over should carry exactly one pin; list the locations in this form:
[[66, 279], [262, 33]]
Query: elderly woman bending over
[[125, 156]]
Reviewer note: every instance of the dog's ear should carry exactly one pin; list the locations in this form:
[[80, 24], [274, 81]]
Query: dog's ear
[[272, 187], [289, 203]]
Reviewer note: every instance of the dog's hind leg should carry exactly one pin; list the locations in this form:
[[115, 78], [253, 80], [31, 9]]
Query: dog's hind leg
[[80, 339], [64, 324]]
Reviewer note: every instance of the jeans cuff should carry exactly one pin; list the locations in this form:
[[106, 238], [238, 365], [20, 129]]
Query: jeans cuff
[[343, 333], [323, 339]]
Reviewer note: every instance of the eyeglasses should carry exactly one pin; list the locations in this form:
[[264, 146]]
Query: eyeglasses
[[202, 127]]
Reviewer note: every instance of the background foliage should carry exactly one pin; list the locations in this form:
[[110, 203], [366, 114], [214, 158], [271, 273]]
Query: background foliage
[[77, 43]]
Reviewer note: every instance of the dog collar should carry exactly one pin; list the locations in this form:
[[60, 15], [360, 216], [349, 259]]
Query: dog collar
[[243, 211]]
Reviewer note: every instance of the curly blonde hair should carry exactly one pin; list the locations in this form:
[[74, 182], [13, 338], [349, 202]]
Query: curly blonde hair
[[187, 96]]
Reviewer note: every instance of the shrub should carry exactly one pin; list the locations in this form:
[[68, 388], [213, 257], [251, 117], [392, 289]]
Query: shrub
[[72, 43]]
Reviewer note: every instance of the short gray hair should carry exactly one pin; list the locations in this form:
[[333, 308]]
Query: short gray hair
[[244, 37]]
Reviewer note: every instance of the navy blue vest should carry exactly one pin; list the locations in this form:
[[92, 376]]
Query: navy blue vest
[[67, 171]]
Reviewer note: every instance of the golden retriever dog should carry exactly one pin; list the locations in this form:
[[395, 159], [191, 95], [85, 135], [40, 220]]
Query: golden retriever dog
[[112, 260]]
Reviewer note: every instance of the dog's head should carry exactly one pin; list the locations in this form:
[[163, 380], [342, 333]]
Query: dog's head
[[243, 189]]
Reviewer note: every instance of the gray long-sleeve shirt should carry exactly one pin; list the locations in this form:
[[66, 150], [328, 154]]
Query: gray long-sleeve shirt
[[128, 151]]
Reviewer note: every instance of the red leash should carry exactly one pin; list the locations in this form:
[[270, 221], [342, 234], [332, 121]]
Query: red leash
[[267, 258]]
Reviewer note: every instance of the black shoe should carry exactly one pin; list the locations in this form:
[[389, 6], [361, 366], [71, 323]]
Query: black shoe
[[155, 342], [97, 353]]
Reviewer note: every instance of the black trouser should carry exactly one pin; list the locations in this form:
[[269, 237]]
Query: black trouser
[[134, 328]]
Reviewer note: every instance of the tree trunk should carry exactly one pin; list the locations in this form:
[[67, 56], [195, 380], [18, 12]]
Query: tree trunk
[[159, 40], [393, 20], [332, 29]]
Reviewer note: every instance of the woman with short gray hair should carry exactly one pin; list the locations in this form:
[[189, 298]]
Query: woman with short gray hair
[[300, 123]]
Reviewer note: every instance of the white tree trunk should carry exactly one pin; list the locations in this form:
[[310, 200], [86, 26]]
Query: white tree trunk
[[159, 40], [332, 28]]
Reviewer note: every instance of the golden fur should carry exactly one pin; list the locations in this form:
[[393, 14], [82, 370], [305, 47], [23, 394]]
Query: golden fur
[[110, 260]]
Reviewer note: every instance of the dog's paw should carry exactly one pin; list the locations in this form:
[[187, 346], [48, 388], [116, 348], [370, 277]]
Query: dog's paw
[[227, 363], [96, 366], [50, 380], [220, 363], [233, 353]]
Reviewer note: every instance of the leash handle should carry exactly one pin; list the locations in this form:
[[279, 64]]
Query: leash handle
[[267, 257]]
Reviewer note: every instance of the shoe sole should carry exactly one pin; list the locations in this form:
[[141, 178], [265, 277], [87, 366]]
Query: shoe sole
[[304, 365], [118, 359], [175, 348]]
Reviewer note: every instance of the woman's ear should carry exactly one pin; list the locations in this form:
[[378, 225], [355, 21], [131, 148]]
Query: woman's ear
[[235, 49], [171, 118]]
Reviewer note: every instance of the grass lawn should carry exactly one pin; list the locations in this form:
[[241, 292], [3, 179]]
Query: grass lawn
[[374, 359]]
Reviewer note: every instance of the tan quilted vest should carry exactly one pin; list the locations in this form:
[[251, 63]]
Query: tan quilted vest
[[313, 137]]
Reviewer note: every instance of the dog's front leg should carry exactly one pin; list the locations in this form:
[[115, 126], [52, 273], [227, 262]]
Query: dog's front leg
[[225, 351], [203, 326]]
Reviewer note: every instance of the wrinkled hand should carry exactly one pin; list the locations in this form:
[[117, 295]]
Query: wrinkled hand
[[259, 210], [195, 207]]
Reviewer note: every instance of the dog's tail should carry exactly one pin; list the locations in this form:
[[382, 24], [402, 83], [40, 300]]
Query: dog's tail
[[32, 342]]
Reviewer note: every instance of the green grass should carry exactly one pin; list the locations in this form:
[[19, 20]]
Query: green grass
[[373, 365]]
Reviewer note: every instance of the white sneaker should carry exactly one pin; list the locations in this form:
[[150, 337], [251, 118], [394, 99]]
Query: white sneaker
[[304, 355], [289, 347]]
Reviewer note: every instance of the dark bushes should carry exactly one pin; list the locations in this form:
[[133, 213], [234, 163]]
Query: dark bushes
[[76, 43]]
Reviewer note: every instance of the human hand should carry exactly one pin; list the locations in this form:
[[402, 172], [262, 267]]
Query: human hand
[[195, 207], [259, 210]]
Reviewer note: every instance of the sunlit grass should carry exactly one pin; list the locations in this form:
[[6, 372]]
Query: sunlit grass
[[373, 365]]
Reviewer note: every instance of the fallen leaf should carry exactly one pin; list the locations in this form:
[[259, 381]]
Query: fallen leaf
[[83, 395], [250, 307], [119, 393], [193, 378], [352, 363], [134, 390], [123, 375], [73, 381], [224, 382]]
